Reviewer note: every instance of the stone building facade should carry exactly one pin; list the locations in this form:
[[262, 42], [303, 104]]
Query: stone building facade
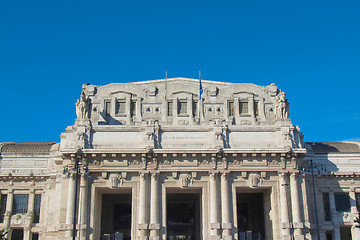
[[161, 159]]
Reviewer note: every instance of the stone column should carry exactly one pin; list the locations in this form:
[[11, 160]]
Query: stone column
[[295, 204], [30, 215], [31, 202], [82, 221], [201, 110], [138, 109], [70, 206], [251, 107], [190, 110], [142, 225], [353, 201], [9, 206], [237, 110], [127, 109], [164, 112], [333, 216], [154, 207], [261, 109], [284, 208], [355, 231], [225, 208], [214, 211]]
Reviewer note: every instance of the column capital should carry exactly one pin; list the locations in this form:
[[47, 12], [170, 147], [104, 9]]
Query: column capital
[[142, 175], [212, 175], [283, 175], [71, 176], [154, 175], [294, 175], [83, 180]]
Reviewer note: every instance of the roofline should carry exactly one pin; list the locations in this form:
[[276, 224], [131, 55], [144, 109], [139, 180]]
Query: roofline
[[181, 78]]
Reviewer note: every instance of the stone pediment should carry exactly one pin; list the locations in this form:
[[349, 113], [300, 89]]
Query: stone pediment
[[244, 94], [183, 93], [122, 92]]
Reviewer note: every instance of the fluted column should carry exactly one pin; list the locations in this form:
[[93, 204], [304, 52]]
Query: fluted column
[[142, 226], [225, 207], [295, 204], [284, 208], [83, 206], [154, 207], [70, 205], [214, 211]]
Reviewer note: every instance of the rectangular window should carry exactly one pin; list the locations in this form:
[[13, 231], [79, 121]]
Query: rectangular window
[[3, 199], [342, 202], [256, 108], [120, 107], [326, 201], [107, 107], [37, 205], [170, 109], [195, 109], [244, 108], [231, 109], [182, 108], [20, 204], [132, 108]]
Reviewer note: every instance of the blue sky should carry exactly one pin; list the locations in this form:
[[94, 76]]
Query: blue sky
[[310, 49]]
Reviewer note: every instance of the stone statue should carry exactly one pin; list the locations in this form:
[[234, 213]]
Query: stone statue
[[281, 106], [83, 107]]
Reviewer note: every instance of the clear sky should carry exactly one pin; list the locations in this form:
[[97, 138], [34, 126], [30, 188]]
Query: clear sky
[[310, 49]]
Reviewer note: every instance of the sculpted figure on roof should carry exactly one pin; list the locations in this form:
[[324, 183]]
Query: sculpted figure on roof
[[82, 107], [281, 106]]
